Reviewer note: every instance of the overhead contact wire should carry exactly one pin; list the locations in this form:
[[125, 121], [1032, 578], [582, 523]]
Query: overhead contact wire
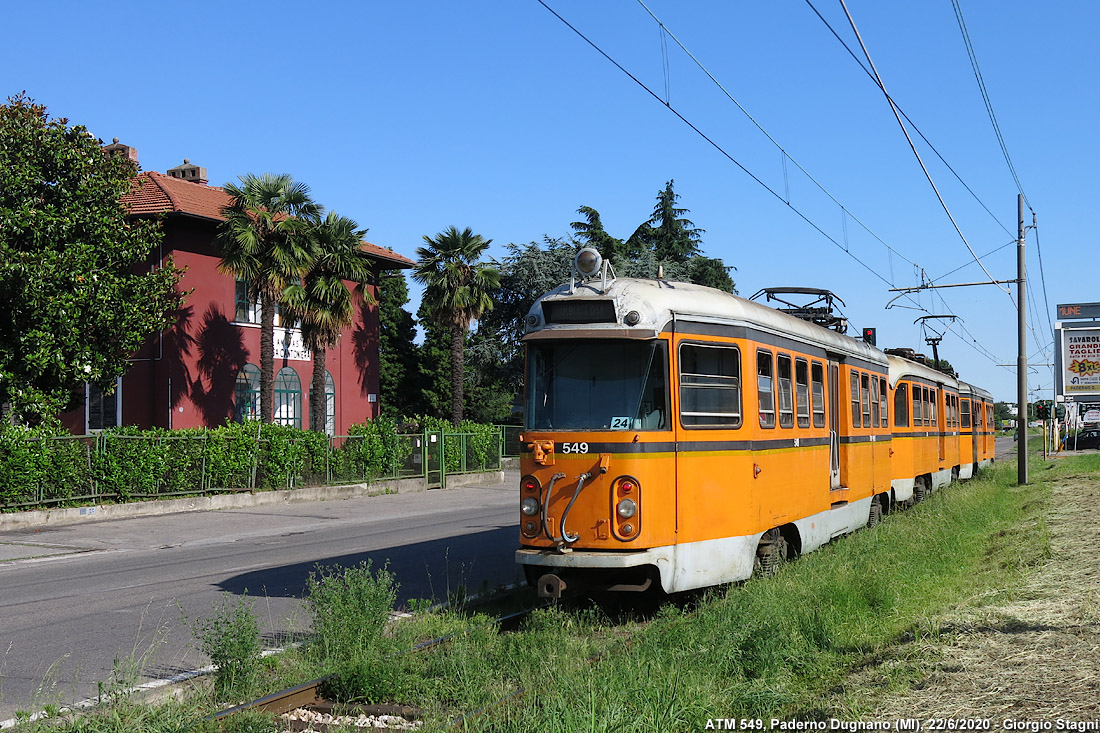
[[715, 145], [916, 153], [912, 124], [786, 155], [985, 98]]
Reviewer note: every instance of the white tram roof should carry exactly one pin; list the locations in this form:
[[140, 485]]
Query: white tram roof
[[976, 391], [658, 302], [900, 368]]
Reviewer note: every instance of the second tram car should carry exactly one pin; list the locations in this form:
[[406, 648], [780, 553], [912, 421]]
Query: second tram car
[[681, 436]]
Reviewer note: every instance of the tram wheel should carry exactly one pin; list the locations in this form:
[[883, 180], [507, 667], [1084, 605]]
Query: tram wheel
[[875, 515], [770, 553], [920, 493]]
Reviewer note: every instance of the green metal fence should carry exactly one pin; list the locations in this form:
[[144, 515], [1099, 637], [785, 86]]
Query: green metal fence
[[510, 447], [43, 472]]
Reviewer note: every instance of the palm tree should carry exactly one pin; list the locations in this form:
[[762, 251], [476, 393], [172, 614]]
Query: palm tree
[[264, 242], [456, 292], [322, 302]]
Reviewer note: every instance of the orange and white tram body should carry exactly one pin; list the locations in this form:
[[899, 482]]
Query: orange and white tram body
[[678, 435]]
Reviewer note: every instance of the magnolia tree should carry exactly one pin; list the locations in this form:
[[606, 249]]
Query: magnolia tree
[[77, 298]]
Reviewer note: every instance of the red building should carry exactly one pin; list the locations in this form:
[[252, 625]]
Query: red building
[[204, 370]]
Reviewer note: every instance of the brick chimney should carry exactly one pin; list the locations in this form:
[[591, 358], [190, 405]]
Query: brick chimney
[[117, 148], [188, 172]]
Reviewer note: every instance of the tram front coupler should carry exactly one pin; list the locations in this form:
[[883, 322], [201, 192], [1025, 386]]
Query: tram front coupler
[[562, 542]]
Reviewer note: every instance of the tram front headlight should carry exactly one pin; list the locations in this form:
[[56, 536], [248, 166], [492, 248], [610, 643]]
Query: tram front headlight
[[626, 505], [529, 506]]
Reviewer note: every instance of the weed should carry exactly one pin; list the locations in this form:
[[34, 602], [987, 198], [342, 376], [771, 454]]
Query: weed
[[350, 608], [231, 638]]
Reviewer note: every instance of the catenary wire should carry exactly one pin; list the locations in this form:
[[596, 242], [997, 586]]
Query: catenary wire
[[985, 97], [786, 155], [968, 263], [907, 119], [1043, 279], [973, 343], [714, 144], [913, 147]]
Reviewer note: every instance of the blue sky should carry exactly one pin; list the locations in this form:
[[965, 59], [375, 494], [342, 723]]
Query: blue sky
[[411, 117]]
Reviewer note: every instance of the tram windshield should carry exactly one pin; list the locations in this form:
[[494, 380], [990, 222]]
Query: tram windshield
[[604, 385]]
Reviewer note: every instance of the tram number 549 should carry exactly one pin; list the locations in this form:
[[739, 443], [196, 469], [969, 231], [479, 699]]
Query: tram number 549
[[574, 447]]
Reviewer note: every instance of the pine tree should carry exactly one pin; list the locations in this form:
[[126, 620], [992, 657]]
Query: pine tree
[[397, 354], [674, 238]]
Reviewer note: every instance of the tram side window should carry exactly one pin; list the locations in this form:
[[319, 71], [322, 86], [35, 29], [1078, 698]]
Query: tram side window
[[765, 388], [965, 412], [901, 405], [802, 392], [874, 402], [865, 392], [933, 399], [988, 417], [883, 402], [818, 373], [855, 399], [918, 405], [710, 386], [786, 406]]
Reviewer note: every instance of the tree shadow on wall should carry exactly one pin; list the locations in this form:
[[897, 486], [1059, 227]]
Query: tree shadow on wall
[[178, 343], [221, 353], [365, 346]]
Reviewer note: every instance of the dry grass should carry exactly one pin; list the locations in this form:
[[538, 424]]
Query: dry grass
[[1034, 654]]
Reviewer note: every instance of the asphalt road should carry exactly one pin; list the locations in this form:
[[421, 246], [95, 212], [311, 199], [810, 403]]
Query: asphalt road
[[75, 599]]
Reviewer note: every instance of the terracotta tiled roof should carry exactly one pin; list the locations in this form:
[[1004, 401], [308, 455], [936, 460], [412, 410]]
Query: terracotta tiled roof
[[387, 255], [156, 193]]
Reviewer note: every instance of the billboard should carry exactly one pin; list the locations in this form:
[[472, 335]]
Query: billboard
[[1080, 362]]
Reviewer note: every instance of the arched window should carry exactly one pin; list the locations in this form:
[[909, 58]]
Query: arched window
[[330, 404], [246, 394], [288, 398]]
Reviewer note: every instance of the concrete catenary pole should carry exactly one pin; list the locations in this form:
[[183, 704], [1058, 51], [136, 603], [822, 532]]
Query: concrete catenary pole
[[1021, 359]]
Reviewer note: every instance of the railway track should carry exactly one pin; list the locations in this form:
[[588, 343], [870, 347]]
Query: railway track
[[304, 708]]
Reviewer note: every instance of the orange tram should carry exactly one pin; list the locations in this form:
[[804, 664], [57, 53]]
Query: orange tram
[[685, 437]]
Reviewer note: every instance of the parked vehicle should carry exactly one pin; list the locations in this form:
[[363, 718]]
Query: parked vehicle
[[1086, 439]]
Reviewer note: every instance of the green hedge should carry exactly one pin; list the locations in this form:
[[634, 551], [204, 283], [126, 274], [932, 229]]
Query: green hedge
[[46, 466], [39, 466]]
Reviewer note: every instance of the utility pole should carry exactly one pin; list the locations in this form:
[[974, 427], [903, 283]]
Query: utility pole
[[1021, 359]]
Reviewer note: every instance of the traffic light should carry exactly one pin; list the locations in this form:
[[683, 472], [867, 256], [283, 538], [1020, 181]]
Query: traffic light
[[1042, 411], [1060, 411], [869, 336]]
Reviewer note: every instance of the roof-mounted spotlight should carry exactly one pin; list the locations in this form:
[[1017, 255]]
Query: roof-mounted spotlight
[[587, 262]]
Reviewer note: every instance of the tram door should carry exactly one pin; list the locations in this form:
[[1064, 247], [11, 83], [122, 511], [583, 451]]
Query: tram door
[[834, 426], [977, 415], [941, 421]]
